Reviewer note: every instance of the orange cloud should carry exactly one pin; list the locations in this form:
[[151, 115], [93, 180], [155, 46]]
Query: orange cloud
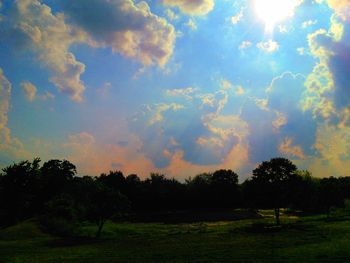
[[287, 147]]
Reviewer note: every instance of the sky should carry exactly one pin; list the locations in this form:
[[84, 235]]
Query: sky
[[178, 87]]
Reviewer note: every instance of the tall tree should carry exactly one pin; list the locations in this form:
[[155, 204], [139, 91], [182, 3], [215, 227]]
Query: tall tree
[[272, 181], [56, 176], [18, 189]]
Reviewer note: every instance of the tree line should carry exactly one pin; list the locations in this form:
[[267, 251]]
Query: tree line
[[60, 199]]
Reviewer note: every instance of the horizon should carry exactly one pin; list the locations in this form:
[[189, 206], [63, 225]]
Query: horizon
[[176, 87]]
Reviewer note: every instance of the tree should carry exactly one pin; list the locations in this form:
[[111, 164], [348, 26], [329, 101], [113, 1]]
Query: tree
[[224, 188], [18, 189], [115, 180], [272, 182], [305, 192], [105, 203], [56, 176], [198, 190], [330, 194], [61, 215]]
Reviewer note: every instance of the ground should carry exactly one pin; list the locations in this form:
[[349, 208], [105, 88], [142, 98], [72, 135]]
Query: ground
[[301, 239]]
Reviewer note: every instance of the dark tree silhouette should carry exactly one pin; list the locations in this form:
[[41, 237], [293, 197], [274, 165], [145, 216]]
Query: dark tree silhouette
[[306, 192], [105, 204], [115, 180], [214, 190], [330, 194], [272, 182], [224, 188], [56, 177], [54, 193], [18, 189]]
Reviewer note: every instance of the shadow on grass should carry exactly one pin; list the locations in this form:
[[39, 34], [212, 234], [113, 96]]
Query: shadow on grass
[[74, 241]]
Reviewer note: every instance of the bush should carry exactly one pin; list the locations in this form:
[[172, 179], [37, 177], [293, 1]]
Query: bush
[[61, 216]]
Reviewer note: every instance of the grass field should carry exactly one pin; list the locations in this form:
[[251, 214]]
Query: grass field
[[300, 239]]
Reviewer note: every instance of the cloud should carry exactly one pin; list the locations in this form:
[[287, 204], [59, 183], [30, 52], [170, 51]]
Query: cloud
[[192, 7], [225, 84], [10, 148], [186, 93], [30, 25], [236, 159], [104, 89], [301, 51], [268, 46], [341, 7], [204, 132], [245, 44], [308, 23], [94, 158], [279, 116], [171, 14], [5, 94], [30, 90], [159, 109], [235, 19], [129, 29], [333, 146], [287, 148], [191, 24], [239, 90], [328, 94]]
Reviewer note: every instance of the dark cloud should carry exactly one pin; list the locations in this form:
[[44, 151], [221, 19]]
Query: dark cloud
[[339, 64]]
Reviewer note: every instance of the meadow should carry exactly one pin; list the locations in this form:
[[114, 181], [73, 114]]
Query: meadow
[[312, 238]]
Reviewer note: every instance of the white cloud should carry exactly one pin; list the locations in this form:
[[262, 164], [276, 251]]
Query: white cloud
[[186, 93], [31, 25], [301, 51], [268, 46], [245, 44], [308, 23], [128, 28], [171, 14], [235, 19], [341, 7], [191, 24], [239, 91]]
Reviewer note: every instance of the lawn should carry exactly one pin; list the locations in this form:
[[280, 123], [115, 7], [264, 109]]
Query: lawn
[[300, 239]]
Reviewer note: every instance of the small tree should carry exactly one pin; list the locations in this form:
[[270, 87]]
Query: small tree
[[272, 182], [105, 203]]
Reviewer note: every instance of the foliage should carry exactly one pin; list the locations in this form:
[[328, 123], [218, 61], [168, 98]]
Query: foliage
[[61, 216], [61, 199], [272, 184]]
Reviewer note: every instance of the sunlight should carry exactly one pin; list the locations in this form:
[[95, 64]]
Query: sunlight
[[274, 11]]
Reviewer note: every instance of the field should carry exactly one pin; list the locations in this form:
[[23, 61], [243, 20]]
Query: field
[[300, 239]]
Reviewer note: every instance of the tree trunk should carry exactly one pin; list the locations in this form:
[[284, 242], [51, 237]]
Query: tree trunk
[[100, 226], [277, 216]]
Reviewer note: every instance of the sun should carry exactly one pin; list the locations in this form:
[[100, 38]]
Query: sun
[[273, 11]]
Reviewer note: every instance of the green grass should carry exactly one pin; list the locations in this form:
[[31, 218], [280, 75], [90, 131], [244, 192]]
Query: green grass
[[304, 239]]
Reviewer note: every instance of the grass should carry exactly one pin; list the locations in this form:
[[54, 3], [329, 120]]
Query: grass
[[301, 239]]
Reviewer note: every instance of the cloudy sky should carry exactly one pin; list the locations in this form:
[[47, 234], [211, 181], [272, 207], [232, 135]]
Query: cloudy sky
[[176, 86]]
